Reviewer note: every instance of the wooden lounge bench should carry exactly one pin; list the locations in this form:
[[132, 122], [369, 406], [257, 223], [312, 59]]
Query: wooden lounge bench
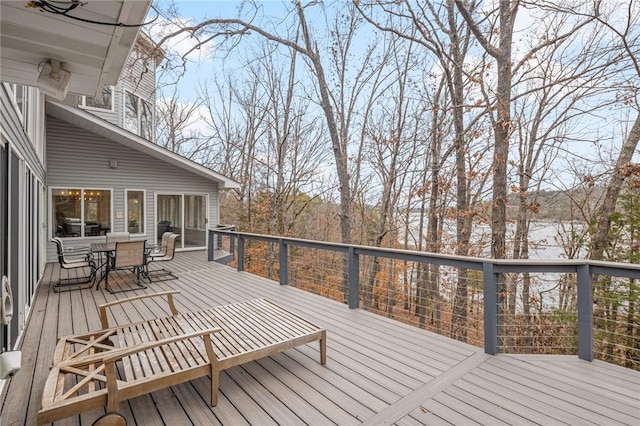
[[105, 367]]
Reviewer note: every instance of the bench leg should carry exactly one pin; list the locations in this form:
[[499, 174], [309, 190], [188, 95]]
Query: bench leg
[[215, 369], [110, 419], [215, 384], [323, 348], [112, 387]]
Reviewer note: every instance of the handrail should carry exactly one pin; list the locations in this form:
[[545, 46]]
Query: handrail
[[504, 265], [584, 269], [211, 243]]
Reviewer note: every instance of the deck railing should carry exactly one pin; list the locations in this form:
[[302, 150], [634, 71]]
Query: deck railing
[[578, 307]]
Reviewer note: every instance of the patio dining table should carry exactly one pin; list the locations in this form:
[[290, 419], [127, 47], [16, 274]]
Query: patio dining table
[[104, 250]]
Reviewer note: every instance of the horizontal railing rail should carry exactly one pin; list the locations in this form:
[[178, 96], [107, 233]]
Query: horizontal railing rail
[[490, 272], [215, 242]]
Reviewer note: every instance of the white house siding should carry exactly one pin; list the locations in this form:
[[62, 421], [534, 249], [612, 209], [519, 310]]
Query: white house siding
[[135, 79], [22, 211], [138, 77], [110, 116], [79, 158], [15, 132]]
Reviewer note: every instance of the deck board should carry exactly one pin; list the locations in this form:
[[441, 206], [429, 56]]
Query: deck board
[[377, 368]]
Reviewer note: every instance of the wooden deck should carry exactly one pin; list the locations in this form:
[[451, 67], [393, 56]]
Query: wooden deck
[[378, 371]]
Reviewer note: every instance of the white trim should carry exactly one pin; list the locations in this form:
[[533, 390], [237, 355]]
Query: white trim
[[144, 210], [83, 103], [182, 216], [52, 220], [140, 101], [13, 95], [124, 113], [19, 299]]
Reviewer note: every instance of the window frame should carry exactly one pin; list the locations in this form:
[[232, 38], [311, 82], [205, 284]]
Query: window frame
[[21, 102], [144, 209], [82, 189], [83, 101], [140, 104]]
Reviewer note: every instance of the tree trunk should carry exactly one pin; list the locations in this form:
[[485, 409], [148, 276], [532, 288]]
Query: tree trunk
[[602, 239], [459, 318]]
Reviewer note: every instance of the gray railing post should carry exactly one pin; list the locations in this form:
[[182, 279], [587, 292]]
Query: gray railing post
[[284, 263], [353, 261], [240, 253], [585, 313], [490, 284], [210, 246], [232, 245]]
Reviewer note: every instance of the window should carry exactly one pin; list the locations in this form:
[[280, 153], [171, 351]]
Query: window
[[80, 212], [21, 101], [138, 116], [135, 211], [102, 102]]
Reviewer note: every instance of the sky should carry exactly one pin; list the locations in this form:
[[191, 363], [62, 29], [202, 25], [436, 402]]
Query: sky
[[206, 63]]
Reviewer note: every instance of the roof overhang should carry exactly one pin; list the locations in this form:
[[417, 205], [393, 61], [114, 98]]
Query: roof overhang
[[90, 122], [94, 54]]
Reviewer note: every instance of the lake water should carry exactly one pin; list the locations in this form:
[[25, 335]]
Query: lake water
[[544, 244]]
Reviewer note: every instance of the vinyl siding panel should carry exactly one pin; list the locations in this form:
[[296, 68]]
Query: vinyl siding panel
[[22, 211], [135, 79], [110, 116], [138, 77], [79, 158], [15, 133]]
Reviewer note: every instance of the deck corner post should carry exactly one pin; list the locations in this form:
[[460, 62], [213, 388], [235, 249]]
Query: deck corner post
[[585, 313], [240, 253], [353, 261], [210, 245], [491, 323], [284, 262]]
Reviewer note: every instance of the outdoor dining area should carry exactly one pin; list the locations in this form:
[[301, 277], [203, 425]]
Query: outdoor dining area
[[135, 259]]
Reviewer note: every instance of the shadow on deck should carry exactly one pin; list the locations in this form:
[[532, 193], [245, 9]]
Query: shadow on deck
[[378, 371]]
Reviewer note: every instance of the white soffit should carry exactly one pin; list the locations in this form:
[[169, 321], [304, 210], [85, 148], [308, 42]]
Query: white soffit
[[94, 54]]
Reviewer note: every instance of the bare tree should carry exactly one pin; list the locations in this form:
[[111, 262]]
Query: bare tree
[[554, 91], [501, 52], [176, 128], [626, 50], [393, 134], [231, 30], [239, 141], [436, 28]]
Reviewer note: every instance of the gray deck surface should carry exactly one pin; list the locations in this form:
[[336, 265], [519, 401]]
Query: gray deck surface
[[378, 371]]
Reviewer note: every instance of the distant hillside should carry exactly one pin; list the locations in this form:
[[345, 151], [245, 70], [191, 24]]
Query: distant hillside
[[556, 206]]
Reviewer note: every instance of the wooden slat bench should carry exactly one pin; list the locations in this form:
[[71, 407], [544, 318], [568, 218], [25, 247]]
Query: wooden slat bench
[[103, 368]]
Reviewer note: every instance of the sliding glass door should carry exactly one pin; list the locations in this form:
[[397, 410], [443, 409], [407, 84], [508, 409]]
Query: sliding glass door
[[195, 221], [184, 214]]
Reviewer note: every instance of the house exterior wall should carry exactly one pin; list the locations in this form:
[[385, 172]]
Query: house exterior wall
[[22, 201], [138, 77], [79, 158], [110, 116]]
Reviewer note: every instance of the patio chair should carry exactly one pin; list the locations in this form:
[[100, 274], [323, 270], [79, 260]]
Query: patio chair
[[128, 255], [160, 249], [165, 253], [113, 237], [74, 259]]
